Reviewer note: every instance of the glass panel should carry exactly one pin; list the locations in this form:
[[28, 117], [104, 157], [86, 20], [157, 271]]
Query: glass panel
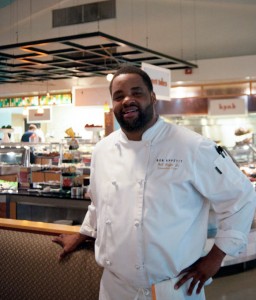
[[233, 89]]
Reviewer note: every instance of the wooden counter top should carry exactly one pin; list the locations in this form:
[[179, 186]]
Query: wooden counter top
[[41, 227]]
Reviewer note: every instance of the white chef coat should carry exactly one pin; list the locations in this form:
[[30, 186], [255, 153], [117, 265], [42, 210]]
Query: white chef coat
[[151, 199]]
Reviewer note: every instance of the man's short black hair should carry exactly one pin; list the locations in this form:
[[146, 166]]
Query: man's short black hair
[[133, 70]]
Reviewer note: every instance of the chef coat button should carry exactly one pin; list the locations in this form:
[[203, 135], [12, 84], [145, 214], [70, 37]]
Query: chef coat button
[[137, 223], [108, 262], [137, 267], [146, 292], [108, 222], [141, 182]]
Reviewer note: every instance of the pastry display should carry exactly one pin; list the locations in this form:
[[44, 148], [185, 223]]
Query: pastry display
[[95, 130], [243, 136], [68, 155], [73, 143], [48, 154], [78, 180], [67, 177], [6, 130], [70, 170], [8, 185], [70, 132], [71, 157], [6, 127], [241, 131]]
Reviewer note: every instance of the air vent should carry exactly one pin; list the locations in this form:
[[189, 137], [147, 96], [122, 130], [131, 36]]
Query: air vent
[[84, 13]]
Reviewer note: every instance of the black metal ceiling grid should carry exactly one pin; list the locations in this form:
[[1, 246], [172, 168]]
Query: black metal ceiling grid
[[84, 55]]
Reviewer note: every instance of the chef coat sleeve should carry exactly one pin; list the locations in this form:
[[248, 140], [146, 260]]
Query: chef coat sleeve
[[230, 193], [89, 225]]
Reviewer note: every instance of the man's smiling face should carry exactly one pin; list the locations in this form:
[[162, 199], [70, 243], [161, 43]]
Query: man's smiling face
[[133, 103]]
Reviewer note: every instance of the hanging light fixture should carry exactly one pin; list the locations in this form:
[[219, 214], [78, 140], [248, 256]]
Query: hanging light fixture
[[40, 110], [109, 77]]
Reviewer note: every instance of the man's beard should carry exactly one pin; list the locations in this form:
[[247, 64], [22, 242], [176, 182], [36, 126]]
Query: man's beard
[[144, 117]]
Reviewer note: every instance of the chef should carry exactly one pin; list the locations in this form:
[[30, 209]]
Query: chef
[[151, 186]]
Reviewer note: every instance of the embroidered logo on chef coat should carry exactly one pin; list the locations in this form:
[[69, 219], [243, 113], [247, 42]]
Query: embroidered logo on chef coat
[[168, 163]]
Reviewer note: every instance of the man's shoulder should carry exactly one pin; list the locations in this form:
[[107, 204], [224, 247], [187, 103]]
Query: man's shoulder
[[183, 137], [182, 132], [108, 140]]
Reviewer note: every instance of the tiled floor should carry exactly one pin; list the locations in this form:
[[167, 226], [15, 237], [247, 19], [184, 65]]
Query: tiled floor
[[241, 286]]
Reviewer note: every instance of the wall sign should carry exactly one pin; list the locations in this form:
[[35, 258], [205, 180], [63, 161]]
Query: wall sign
[[161, 80], [43, 115], [236, 106]]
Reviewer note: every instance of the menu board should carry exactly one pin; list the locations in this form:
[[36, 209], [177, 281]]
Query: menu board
[[235, 106], [39, 115]]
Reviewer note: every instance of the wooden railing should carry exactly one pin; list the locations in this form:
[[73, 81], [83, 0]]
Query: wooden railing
[[39, 227]]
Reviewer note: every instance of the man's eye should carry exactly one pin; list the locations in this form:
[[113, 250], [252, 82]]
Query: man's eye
[[137, 94], [118, 98]]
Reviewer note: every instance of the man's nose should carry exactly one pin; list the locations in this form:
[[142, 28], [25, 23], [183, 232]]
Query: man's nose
[[128, 99]]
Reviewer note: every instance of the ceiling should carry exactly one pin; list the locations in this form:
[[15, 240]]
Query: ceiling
[[191, 31], [84, 55]]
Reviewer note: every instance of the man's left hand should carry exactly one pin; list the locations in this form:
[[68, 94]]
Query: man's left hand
[[202, 270]]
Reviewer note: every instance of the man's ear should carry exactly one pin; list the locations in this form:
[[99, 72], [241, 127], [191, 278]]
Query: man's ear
[[153, 97]]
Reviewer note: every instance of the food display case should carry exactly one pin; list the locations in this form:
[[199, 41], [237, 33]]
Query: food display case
[[56, 162], [54, 187], [75, 164], [11, 159], [244, 157], [244, 150], [243, 154], [47, 153]]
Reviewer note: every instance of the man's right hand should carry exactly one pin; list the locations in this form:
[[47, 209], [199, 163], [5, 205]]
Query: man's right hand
[[69, 242]]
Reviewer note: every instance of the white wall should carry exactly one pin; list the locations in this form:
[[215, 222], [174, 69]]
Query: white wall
[[221, 69], [63, 117]]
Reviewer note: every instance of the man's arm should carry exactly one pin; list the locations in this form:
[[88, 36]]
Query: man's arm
[[202, 270]]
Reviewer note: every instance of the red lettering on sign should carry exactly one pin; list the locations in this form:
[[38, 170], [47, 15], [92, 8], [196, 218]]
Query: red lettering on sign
[[227, 106]]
